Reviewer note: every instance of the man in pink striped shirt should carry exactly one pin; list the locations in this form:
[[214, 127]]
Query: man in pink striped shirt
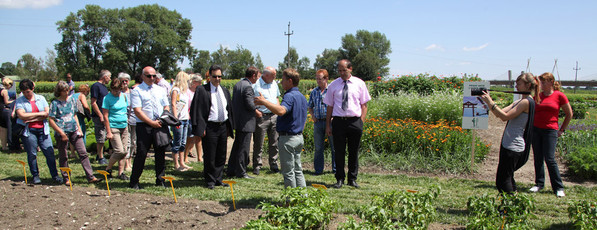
[[346, 102]]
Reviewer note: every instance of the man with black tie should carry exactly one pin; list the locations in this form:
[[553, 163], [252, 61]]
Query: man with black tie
[[244, 123], [211, 119]]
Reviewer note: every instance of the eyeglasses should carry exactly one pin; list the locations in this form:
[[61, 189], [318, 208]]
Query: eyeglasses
[[151, 76], [216, 76]]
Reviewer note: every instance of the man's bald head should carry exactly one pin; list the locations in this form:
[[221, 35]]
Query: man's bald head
[[269, 74]]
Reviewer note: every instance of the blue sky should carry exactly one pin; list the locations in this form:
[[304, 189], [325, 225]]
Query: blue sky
[[437, 37]]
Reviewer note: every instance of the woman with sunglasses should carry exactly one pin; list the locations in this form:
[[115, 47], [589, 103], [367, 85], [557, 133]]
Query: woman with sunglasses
[[114, 109]]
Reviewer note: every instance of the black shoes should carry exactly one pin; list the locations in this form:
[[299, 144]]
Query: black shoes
[[247, 177], [36, 180], [135, 186], [275, 169], [256, 171], [338, 184], [109, 173], [211, 186], [58, 180], [123, 176], [353, 184], [222, 184]]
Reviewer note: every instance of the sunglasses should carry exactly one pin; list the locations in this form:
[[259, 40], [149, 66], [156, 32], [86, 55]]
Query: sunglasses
[[151, 76], [217, 76]]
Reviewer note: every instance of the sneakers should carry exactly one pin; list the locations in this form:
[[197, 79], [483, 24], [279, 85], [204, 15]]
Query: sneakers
[[102, 161], [123, 176], [535, 189], [560, 193], [36, 180], [109, 173], [58, 180]]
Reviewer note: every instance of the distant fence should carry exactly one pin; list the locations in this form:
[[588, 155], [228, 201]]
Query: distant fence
[[563, 83]]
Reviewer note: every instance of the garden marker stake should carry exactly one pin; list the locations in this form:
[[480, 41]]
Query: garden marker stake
[[319, 186], [230, 183], [24, 171], [67, 170], [169, 178], [412, 191], [105, 173], [473, 150]]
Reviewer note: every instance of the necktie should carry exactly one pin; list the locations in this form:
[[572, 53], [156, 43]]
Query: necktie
[[345, 96], [220, 106]]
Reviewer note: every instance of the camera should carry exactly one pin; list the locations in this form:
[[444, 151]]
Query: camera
[[478, 91]]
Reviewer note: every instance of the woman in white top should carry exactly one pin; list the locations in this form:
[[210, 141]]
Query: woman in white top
[[179, 105], [192, 140]]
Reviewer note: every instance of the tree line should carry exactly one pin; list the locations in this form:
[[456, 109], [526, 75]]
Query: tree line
[[127, 39]]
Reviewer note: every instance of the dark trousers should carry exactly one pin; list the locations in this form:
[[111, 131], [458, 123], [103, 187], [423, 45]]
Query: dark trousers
[[214, 144], [544, 150], [239, 155], [347, 131], [504, 179], [145, 139], [6, 122]]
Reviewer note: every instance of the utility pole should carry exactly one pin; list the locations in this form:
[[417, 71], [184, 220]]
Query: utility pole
[[576, 75], [288, 54]]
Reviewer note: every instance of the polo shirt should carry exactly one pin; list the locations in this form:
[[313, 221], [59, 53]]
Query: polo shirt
[[296, 112]]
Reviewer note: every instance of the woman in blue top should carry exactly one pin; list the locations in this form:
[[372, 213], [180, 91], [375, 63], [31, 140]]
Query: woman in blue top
[[32, 111], [67, 129], [114, 109]]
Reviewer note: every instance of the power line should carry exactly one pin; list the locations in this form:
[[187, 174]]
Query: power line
[[288, 55]]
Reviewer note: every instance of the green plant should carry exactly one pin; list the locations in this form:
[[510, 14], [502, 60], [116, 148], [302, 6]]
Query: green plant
[[433, 107], [305, 208], [583, 214], [397, 210], [579, 148], [505, 211]]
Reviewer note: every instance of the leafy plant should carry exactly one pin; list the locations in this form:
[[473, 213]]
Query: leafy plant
[[305, 208], [579, 148], [397, 210], [502, 212], [583, 214]]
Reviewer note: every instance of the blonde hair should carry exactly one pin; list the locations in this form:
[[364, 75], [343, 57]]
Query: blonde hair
[[7, 83], [528, 78], [181, 81]]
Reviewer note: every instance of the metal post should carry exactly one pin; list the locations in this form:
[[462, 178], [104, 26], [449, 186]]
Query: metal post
[[288, 54], [576, 69]]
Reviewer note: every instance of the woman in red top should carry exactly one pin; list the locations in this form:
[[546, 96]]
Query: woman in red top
[[546, 132]]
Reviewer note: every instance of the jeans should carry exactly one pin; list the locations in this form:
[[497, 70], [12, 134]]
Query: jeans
[[544, 149], [319, 142], [179, 136], [37, 137], [291, 147]]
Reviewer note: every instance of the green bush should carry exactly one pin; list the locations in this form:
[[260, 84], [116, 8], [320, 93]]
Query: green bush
[[502, 212], [305, 208], [397, 210], [583, 214], [579, 149], [422, 84]]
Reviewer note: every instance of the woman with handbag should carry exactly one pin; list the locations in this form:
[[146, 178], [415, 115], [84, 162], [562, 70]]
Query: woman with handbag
[[179, 105]]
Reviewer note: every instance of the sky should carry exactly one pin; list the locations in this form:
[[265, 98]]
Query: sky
[[442, 38]]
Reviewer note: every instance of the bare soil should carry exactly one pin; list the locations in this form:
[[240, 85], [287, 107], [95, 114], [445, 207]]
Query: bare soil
[[56, 207]]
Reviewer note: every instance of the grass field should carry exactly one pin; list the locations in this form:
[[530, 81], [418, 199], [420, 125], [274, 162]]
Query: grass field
[[451, 204]]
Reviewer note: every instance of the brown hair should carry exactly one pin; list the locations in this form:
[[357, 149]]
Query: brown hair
[[84, 89], [549, 77], [324, 72], [116, 84], [293, 75], [60, 86], [528, 78]]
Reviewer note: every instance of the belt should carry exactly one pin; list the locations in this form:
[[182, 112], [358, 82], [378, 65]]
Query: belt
[[216, 123], [346, 118], [289, 134]]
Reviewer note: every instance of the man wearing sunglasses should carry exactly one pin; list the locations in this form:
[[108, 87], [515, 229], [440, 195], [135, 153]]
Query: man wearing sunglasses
[[149, 102], [211, 119]]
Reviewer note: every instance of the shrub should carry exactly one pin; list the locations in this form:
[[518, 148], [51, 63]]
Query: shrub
[[504, 212], [583, 214], [579, 149], [397, 210], [444, 105], [306, 208], [422, 84]]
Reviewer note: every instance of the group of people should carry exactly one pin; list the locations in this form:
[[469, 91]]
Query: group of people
[[131, 119], [532, 123]]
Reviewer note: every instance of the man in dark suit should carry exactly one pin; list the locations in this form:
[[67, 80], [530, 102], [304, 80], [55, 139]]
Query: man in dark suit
[[211, 119], [244, 123]]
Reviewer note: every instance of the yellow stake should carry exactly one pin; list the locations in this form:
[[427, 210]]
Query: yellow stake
[[67, 170], [319, 186], [230, 183], [103, 172], [24, 171], [171, 185], [411, 191]]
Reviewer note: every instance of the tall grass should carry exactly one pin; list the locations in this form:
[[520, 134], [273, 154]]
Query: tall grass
[[441, 105]]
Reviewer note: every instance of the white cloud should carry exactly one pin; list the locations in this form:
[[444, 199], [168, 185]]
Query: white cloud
[[475, 48], [433, 47], [35, 4]]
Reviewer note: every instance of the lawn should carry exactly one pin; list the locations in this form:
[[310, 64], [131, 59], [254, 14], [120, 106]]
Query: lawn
[[551, 212]]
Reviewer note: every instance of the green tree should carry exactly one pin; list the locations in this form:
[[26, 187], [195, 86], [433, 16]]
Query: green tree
[[50, 71], [8, 68], [368, 52], [240, 60], [301, 65], [29, 66], [201, 62], [220, 57], [328, 60]]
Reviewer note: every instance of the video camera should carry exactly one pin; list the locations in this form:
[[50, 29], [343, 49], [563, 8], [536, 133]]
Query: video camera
[[478, 91]]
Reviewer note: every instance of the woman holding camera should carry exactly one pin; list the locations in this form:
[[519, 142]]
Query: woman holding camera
[[546, 133], [515, 145]]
